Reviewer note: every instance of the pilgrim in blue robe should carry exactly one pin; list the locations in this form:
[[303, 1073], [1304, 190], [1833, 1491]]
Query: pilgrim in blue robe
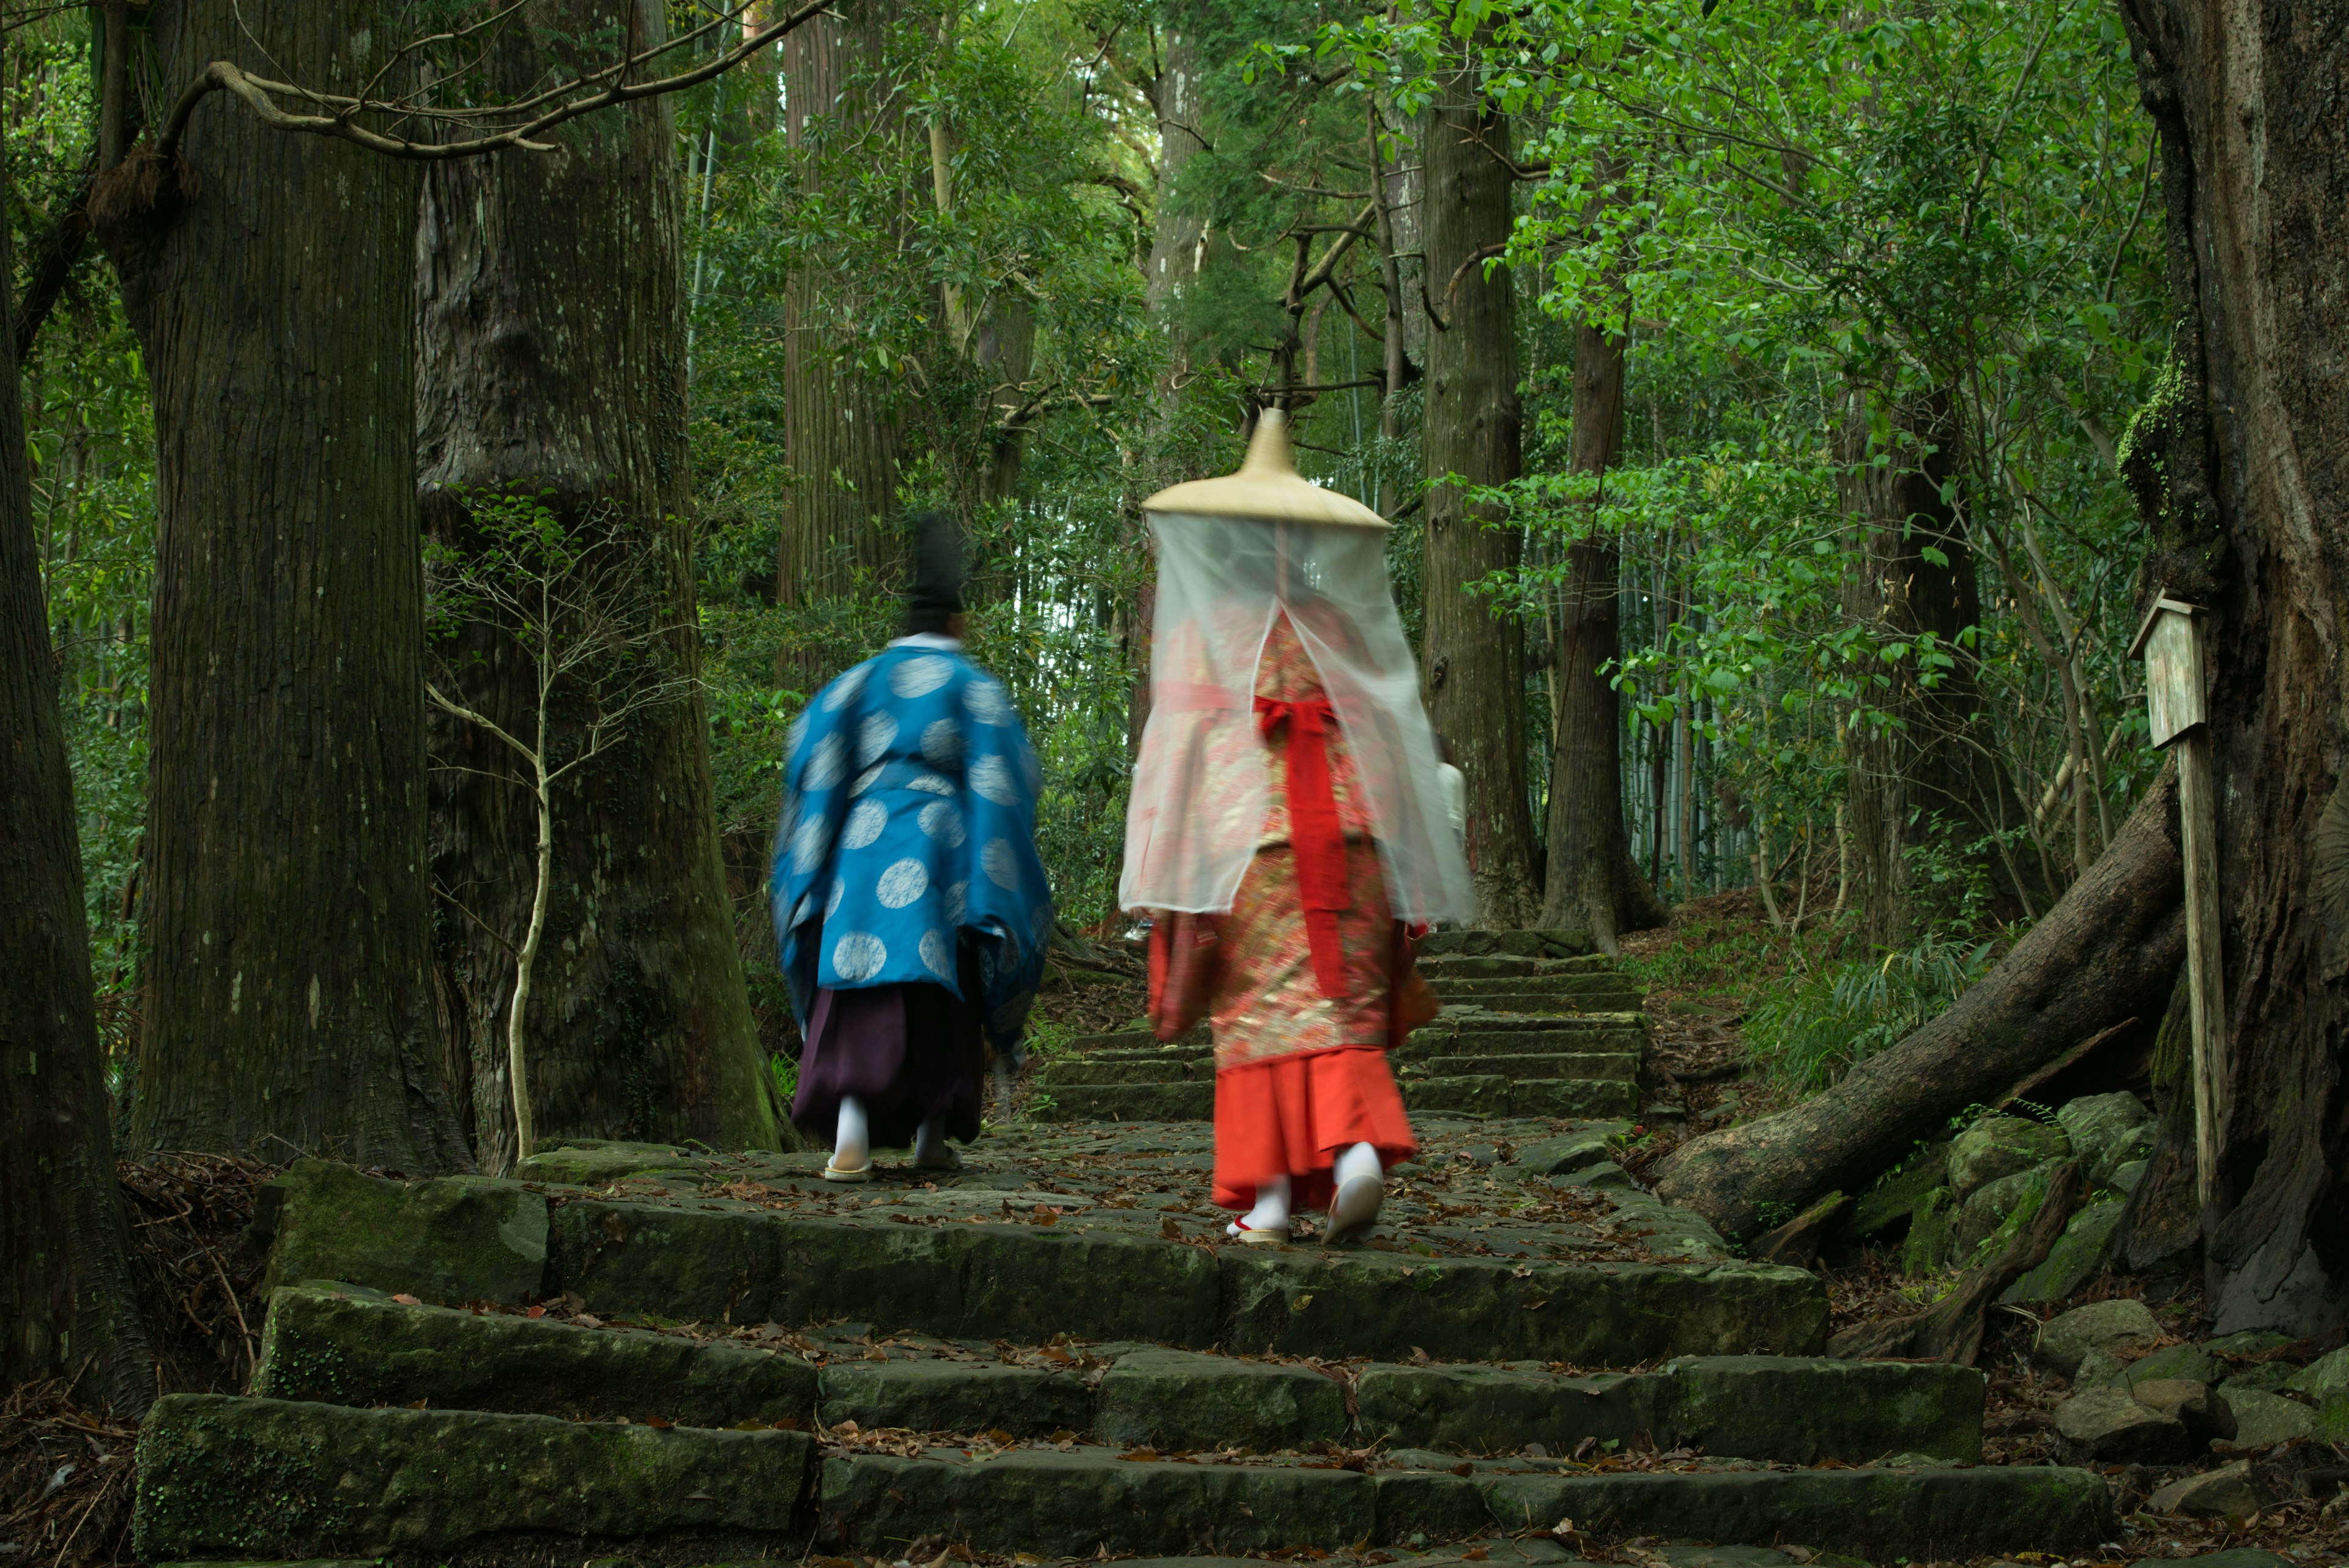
[[910, 904]]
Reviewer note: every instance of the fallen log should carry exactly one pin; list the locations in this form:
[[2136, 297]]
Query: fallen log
[[1952, 1328], [2109, 949]]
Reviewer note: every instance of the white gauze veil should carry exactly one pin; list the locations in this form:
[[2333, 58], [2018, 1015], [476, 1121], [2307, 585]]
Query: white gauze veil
[[1199, 786]]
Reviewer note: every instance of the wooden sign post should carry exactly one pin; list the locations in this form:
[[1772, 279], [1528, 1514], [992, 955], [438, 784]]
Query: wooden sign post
[[2170, 642]]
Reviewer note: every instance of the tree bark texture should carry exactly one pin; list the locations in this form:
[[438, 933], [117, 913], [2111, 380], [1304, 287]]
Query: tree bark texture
[[1592, 881], [1474, 658], [841, 433], [2241, 465], [1910, 783], [550, 362], [67, 1304], [2108, 951], [289, 1006]]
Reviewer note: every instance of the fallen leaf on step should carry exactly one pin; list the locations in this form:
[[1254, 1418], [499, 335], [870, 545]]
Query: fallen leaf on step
[[1001, 1439], [1474, 1555], [1301, 1303], [1169, 1229], [788, 1424], [1563, 1527], [698, 1497], [659, 1423], [535, 1311], [877, 1353], [416, 1405], [406, 1300], [1464, 1469], [1140, 1456]]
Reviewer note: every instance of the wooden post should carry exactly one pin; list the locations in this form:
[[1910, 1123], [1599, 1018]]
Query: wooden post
[[2170, 641]]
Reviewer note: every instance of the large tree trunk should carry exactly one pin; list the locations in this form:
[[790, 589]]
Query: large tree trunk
[[2109, 951], [1474, 657], [2241, 462], [289, 1005], [550, 362], [1911, 781], [67, 1307], [840, 431], [1592, 881]]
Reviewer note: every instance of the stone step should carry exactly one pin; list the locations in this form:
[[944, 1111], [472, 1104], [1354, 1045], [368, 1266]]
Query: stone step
[[341, 1345], [1476, 1018], [1097, 1273], [1089, 1500], [1502, 1095], [1546, 1003], [1443, 968], [1519, 944], [1606, 992], [223, 1476], [1531, 1037], [1124, 1067], [1481, 1095], [1623, 1065]]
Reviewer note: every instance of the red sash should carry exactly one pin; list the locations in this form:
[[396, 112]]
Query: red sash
[[1314, 836]]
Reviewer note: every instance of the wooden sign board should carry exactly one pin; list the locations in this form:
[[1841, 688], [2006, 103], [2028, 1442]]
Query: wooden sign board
[[2173, 668]]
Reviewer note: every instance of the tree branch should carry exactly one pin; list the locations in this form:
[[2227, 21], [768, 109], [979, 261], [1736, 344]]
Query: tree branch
[[256, 93]]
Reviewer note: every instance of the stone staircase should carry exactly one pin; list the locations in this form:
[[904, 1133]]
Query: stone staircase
[[1534, 1024], [648, 1353]]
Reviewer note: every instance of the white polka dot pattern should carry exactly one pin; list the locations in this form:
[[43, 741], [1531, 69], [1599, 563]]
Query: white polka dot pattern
[[846, 689], [872, 738], [858, 956], [832, 904], [942, 743], [990, 780], [809, 844], [919, 677], [864, 824], [904, 882], [954, 902], [826, 763], [1000, 864], [937, 954], [930, 784], [986, 702], [942, 822], [866, 779]]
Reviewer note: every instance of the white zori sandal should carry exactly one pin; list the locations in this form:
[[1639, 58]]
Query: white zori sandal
[[1247, 1235], [1361, 1191]]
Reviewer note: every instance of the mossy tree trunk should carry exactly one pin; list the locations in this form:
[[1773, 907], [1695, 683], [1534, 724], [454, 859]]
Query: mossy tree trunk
[[289, 1004], [67, 1307], [551, 363], [1473, 656], [1592, 882], [2241, 466]]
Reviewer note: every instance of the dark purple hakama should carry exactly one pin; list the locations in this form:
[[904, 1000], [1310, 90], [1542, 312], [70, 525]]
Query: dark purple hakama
[[907, 1052]]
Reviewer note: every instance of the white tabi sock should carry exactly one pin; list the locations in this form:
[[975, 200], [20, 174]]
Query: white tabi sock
[[1271, 1210], [851, 1146], [1360, 1160]]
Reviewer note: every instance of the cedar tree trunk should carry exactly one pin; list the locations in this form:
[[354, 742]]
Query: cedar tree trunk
[[1910, 783], [2241, 465], [1474, 657], [1592, 882], [289, 1003], [550, 362], [2108, 951], [66, 1305], [840, 434]]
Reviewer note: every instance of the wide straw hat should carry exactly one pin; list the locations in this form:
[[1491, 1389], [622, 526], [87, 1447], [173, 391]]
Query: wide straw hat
[[1267, 486]]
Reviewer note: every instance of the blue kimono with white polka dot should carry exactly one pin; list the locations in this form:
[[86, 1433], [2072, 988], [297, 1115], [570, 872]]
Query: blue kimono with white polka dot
[[909, 823]]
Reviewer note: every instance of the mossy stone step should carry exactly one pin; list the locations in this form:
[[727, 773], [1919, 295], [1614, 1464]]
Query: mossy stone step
[[1077, 1503], [1603, 1031], [1126, 1069], [1607, 991], [225, 1477], [1186, 1100], [1441, 968], [1474, 1018], [1502, 1095], [1027, 1284], [348, 1346], [1520, 943], [1622, 1065]]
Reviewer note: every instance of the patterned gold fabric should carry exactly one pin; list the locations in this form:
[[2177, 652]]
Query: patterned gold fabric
[[1266, 1003]]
